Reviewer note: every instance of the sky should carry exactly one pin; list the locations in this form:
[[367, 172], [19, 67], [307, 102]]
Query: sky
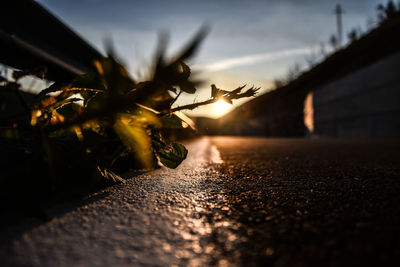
[[251, 42]]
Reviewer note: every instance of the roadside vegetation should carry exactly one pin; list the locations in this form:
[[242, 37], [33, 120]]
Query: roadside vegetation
[[78, 137]]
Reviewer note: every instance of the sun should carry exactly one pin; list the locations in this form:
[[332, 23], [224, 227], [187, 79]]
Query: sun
[[221, 107]]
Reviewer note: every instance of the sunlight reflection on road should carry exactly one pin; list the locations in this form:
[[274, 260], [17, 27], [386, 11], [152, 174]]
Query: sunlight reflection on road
[[201, 214], [215, 156], [179, 217]]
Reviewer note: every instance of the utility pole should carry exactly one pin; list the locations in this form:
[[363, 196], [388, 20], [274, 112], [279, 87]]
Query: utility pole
[[339, 12]]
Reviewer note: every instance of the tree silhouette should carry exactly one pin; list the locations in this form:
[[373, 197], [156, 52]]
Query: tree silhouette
[[388, 11]]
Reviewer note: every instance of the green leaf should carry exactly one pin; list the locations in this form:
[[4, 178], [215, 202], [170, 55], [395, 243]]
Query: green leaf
[[132, 131], [171, 121], [173, 156], [187, 87], [62, 103], [185, 70], [55, 87]]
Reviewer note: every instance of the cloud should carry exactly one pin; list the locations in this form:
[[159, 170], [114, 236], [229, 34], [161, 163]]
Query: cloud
[[229, 63]]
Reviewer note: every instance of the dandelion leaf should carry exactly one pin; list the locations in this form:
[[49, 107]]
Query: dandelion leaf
[[173, 155]]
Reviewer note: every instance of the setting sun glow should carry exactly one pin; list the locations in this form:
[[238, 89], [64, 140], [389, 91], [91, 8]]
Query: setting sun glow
[[221, 107]]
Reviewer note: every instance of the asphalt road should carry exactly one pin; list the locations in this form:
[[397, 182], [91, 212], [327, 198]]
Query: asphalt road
[[234, 202]]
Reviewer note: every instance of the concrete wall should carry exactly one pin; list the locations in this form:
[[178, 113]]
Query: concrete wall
[[365, 103]]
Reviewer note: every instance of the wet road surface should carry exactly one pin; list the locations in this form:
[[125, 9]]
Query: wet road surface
[[234, 202]]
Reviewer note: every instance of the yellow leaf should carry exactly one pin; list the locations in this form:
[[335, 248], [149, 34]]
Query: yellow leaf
[[134, 135], [99, 67]]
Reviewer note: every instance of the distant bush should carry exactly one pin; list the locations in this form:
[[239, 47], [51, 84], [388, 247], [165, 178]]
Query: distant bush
[[388, 11]]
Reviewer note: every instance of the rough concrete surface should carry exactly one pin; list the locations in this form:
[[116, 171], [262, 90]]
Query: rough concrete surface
[[277, 202]]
